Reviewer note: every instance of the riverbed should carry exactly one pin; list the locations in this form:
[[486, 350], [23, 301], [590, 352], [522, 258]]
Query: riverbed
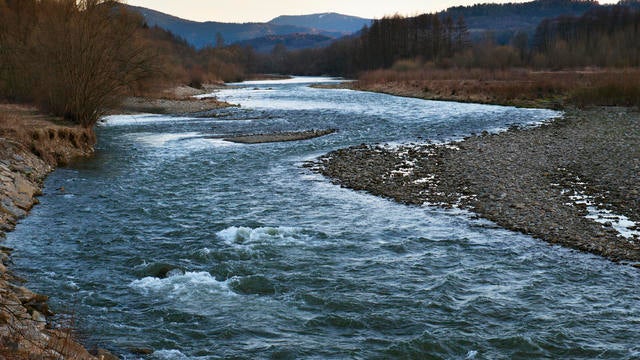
[[175, 241]]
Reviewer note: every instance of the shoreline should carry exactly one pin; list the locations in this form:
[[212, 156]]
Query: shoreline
[[544, 181], [31, 146]]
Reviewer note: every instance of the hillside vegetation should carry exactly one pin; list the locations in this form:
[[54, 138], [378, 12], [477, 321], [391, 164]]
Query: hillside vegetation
[[80, 59]]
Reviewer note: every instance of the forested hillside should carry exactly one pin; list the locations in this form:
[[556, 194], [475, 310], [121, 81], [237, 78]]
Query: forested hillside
[[504, 21], [603, 36]]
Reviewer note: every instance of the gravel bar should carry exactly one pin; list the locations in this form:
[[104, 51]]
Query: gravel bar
[[544, 181], [279, 137]]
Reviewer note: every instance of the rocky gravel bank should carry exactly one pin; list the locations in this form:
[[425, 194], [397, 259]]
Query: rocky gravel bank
[[569, 182], [30, 148]]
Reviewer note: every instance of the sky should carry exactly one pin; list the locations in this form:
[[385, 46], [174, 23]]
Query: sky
[[265, 10]]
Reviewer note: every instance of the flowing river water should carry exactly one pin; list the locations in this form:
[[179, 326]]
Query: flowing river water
[[173, 240]]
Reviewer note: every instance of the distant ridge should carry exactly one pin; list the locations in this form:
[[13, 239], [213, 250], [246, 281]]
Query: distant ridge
[[332, 22], [503, 21], [201, 34]]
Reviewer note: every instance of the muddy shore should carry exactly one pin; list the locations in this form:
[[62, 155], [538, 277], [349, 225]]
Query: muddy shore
[[533, 181]]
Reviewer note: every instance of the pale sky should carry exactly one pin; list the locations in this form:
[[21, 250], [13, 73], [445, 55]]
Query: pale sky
[[265, 10]]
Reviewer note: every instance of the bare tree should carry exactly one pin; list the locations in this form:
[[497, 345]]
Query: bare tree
[[93, 55]]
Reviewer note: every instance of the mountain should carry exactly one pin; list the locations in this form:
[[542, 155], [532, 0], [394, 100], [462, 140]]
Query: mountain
[[331, 22], [504, 20], [201, 34], [297, 41]]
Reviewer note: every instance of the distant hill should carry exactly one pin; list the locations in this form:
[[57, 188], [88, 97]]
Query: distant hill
[[201, 34], [504, 20], [290, 41], [331, 22]]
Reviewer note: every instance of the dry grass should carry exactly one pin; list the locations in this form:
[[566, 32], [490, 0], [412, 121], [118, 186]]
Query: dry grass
[[521, 87]]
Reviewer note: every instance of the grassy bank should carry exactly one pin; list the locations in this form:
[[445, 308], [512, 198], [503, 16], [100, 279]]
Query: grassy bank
[[517, 87]]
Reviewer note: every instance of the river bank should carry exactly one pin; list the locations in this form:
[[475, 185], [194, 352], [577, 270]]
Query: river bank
[[31, 146], [510, 87], [560, 182]]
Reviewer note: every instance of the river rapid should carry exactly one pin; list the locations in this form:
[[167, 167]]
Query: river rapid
[[176, 241]]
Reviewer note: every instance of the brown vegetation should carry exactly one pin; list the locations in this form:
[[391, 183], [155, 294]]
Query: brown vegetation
[[519, 87], [80, 59], [587, 60], [181, 63], [75, 59]]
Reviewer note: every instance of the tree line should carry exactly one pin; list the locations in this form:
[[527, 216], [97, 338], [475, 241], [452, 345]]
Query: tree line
[[79, 58], [73, 58], [604, 37]]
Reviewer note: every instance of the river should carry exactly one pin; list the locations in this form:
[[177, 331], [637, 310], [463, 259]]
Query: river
[[173, 240]]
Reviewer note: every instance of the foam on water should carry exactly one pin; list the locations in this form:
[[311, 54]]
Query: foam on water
[[139, 119], [183, 287], [245, 236], [169, 355], [160, 140]]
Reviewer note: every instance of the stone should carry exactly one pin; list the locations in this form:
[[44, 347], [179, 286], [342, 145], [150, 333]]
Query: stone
[[27, 296], [40, 319], [103, 354]]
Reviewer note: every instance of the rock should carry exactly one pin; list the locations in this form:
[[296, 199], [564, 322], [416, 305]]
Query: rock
[[103, 354], [141, 351], [40, 319], [9, 208], [517, 178], [27, 296]]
